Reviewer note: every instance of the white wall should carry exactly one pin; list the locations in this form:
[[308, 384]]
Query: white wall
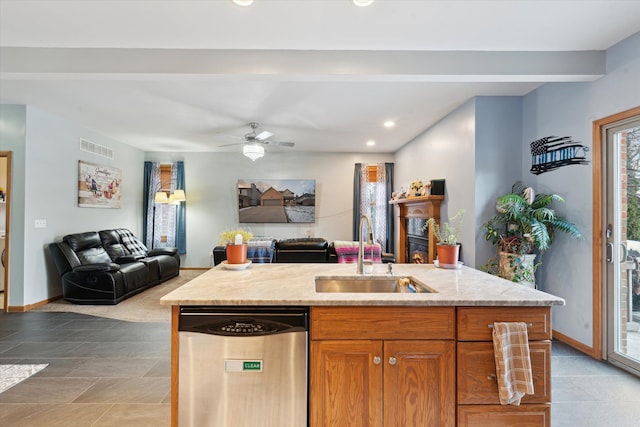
[[212, 202], [568, 109], [50, 176]]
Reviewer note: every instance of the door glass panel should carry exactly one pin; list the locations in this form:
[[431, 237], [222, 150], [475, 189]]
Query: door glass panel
[[623, 244]]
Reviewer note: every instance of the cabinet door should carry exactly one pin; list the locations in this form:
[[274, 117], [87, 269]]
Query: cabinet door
[[346, 383], [419, 383]]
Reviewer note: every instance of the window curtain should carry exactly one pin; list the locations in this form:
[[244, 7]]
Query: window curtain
[[371, 197], [165, 224], [181, 211]]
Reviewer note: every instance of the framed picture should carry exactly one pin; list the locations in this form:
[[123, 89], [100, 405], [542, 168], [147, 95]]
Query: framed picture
[[277, 200], [98, 186]]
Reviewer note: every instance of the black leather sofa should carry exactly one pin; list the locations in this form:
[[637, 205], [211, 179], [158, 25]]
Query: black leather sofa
[[108, 266]]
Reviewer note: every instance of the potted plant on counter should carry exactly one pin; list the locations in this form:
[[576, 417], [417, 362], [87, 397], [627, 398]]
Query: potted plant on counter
[[525, 222], [236, 245], [447, 234]]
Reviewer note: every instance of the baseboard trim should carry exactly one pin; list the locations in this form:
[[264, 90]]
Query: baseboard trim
[[29, 307], [589, 351]]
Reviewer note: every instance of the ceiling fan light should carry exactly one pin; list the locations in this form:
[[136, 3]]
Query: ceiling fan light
[[253, 151]]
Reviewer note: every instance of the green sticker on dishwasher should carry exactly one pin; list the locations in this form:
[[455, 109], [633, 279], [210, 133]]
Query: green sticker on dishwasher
[[253, 365], [243, 365]]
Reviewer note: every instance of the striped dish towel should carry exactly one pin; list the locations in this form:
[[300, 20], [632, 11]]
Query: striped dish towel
[[513, 365]]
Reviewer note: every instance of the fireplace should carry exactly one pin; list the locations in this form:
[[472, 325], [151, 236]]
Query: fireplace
[[415, 244]]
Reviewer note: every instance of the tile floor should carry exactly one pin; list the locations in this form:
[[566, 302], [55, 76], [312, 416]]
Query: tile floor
[[105, 372]]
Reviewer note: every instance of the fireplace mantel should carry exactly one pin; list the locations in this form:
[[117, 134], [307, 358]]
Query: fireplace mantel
[[421, 207]]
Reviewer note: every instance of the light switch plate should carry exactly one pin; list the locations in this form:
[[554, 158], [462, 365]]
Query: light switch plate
[[40, 223]]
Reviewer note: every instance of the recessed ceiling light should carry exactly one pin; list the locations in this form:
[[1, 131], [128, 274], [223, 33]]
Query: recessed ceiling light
[[243, 2], [371, 143], [362, 3], [389, 124]]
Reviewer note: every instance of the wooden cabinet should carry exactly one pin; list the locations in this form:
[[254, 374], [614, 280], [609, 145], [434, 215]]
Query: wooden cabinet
[[365, 371], [477, 388], [409, 210]]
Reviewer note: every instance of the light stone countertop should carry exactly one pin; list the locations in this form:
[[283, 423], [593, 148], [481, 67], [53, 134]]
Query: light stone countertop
[[293, 284]]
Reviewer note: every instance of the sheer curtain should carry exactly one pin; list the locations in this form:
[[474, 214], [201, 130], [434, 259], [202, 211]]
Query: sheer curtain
[[373, 185]]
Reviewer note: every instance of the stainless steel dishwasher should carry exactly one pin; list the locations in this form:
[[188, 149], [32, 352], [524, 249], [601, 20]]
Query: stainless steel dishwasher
[[243, 366]]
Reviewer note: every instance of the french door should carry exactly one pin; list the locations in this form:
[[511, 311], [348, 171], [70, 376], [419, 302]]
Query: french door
[[621, 228]]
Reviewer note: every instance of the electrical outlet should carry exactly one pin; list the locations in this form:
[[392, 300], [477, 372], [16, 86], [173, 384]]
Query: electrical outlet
[[40, 223]]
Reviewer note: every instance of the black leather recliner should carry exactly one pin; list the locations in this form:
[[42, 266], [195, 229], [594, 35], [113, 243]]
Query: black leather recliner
[[99, 268]]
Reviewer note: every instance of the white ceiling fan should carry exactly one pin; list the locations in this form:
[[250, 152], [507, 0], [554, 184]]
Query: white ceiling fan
[[254, 142]]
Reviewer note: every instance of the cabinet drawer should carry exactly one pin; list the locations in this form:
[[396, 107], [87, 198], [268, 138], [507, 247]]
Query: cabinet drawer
[[475, 323], [533, 415], [413, 323], [477, 383]]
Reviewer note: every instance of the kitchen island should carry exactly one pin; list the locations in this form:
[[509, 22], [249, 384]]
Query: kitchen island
[[373, 354]]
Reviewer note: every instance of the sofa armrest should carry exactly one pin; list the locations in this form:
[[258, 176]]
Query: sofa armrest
[[126, 259], [163, 251], [96, 268]]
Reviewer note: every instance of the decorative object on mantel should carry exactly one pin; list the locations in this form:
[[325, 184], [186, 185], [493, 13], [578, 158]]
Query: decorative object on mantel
[[553, 152], [447, 234], [236, 245], [524, 223], [417, 188]]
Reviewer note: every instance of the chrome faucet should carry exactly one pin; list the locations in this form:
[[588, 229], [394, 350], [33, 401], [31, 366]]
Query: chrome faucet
[[360, 268]]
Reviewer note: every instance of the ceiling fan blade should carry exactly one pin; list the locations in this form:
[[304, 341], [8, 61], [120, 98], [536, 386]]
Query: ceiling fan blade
[[230, 145], [263, 135], [279, 143]]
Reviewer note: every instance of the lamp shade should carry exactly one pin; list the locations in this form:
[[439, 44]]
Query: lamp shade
[[253, 151], [161, 197], [177, 197]]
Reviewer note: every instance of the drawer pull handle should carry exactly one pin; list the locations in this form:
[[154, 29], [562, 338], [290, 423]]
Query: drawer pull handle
[[529, 325], [376, 360], [392, 361], [492, 378]]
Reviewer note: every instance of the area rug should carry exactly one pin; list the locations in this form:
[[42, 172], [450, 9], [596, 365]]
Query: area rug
[[144, 307], [11, 375]]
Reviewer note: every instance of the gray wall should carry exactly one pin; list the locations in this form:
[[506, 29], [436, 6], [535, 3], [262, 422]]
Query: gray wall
[[13, 124], [49, 151], [569, 109], [476, 149], [212, 202], [498, 148], [446, 150]]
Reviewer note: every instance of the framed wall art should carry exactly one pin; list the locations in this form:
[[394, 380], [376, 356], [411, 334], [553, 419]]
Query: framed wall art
[[98, 186], [277, 200]]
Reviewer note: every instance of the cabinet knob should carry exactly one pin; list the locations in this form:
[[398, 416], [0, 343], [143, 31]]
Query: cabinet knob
[[392, 361], [376, 360]]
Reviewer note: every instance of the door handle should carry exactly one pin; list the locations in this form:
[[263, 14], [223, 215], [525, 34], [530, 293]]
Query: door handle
[[392, 361], [376, 360]]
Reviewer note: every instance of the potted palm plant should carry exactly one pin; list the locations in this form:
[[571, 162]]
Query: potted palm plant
[[447, 235], [525, 223], [236, 245]]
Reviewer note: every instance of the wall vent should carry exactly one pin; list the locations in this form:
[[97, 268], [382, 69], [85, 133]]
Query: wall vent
[[92, 147]]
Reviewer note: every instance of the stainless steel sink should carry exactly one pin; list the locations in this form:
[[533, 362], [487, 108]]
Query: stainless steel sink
[[371, 284]]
